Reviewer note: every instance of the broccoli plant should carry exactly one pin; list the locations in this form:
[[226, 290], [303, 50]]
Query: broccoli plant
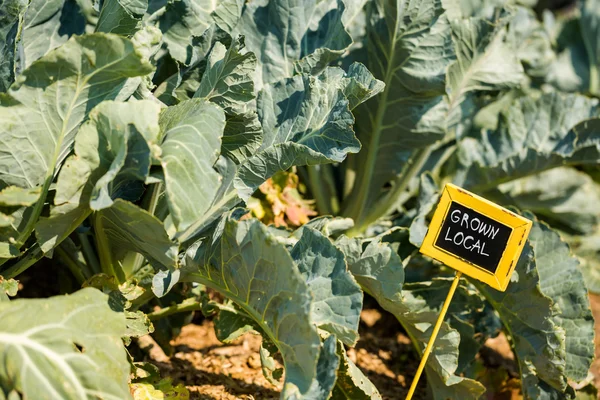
[[135, 133]]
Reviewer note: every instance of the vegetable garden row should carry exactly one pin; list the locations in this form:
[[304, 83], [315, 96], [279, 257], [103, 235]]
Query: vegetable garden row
[[147, 147]]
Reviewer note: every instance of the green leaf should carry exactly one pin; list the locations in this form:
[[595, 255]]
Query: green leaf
[[306, 121], [162, 390], [532, 41], [281, 33], [11, 15], [428, 199], [587, 250], [8, 287], [231, 323], [533, 136], [570, 202], [122, 17], [113, 153], [181, 21], [228, 13], [546, 311], [361, 85], [66, 347], [192, 141], [54, 96], [227, 80], [249, 266], [561, 281], [527, 315], [268, 366], [325, 380], [379, 271], [132, 228], [48, 24], [14, 196], [351, 383], [325, 44], [409, 48], [484, 62], [138, 325], [337, 298]]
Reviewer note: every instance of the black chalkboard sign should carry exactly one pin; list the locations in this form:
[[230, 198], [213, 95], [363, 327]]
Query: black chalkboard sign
[[473, 236]]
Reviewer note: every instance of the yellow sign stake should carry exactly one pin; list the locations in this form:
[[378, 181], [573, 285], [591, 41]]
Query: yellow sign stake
[[475, 237], [436, 330]]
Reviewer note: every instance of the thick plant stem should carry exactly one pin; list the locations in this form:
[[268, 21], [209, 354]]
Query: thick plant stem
[[104, 252], [149, 204], [360, 192], [190, 233], [594, 80], [32, 255], [88, 252], [174, 309], [322, 187], [74, 266], [383, 206]]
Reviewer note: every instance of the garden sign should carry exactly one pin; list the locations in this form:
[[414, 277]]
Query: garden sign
[[475, 237]]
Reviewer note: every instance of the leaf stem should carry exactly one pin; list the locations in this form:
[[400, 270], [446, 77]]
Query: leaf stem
[[321, 183], [74, 266], [383, 205], [594, 80], [174, 309], [32, 255], [197, 226], [149, 203], [89, 254], [104, 251]]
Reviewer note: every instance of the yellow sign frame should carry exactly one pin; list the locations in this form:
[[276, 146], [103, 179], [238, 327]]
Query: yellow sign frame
[[520, 230]]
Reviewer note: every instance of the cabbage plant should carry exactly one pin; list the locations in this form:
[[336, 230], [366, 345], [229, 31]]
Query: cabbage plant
[[135, 132]]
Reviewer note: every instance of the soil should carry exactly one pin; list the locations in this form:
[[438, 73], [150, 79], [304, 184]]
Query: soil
[[212, 370], [215, 371]]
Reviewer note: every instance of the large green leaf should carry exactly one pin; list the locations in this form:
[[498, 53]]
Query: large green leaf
[[587, 250], [122, 17], [351, 383], [11, 14], [484, 62], [132, 228], [571, 202], [249, 266], [66, 347], [561, 280], [532, 42], [306, 121], [228, 82], [326, 377], [533, 136], [48, 24], [546, 312], [282, 32], [181, 21], [113, 153], [192, 141], [409, 48], [379, 271], [337, 298], [51, 99]]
